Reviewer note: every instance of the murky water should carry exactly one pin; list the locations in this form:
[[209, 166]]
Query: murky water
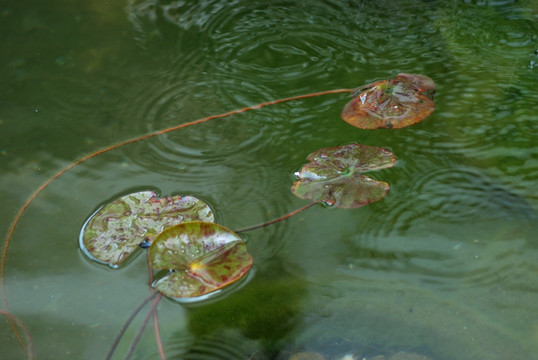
[[445, 266]]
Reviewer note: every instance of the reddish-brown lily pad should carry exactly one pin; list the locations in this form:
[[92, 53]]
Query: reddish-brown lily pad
[[334, 175], [405, 100], [201, 257], [115, 230]]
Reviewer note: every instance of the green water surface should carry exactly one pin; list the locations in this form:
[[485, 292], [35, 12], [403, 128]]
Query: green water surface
[[446, 266]]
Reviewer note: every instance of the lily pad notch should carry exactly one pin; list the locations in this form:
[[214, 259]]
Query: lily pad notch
[[334, 176], [199, 257], [116, 230]]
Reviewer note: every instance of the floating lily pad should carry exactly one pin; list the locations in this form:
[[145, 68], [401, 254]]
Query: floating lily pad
[[334, 175], [115, 230], [201, 257], [392, 104]]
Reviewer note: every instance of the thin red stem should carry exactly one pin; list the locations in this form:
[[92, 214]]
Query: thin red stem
[[143, 326], [271, 222], [158, 338], [28, 348], [126, 325]]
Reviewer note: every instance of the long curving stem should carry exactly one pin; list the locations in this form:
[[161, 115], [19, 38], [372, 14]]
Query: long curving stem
[[21, 211]]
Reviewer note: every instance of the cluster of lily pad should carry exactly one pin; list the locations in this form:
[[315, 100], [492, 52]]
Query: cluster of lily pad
[[195, 256]]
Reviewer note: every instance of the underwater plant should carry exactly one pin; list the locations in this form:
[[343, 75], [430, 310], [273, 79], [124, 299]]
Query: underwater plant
[[196, 258]]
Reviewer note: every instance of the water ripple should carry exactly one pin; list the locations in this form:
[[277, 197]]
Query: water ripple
[[452, 195], [461, 264], [269, 43], [226, 346]]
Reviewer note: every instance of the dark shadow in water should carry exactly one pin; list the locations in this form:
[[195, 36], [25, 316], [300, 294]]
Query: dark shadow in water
[[259, 318]]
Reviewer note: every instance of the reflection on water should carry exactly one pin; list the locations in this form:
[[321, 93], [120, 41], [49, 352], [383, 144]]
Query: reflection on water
[[444, 266]]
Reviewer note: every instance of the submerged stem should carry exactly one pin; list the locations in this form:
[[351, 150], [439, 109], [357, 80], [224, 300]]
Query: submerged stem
[[283, 217], [127, 323], [29, 347], [157, 330], [158, 339], [138, 336]]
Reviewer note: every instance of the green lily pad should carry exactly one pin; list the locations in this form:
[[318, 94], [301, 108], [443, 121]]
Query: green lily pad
[[201, 257], [391, 104], [115, 231], [334, 176]]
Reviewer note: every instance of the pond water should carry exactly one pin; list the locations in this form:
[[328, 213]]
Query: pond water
[[445, 266]]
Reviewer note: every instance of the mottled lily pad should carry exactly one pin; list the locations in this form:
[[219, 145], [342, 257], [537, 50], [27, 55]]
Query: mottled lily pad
[[334, 175], [201, 257], [396, 103], [115, 230]]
